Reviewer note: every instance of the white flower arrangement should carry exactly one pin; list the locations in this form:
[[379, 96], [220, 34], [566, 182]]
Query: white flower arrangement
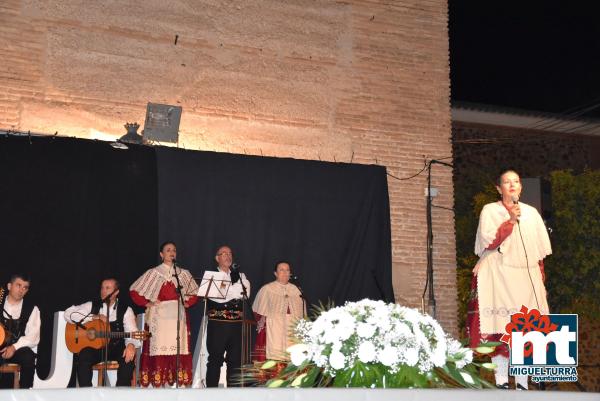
[[375, 332], [374, 344]]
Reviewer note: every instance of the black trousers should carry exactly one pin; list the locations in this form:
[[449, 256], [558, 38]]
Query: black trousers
[[223, 336], [88, 357], [26, 358]]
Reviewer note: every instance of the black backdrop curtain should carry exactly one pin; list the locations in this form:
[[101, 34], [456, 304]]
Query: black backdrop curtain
[[329, 220], [76, 211]]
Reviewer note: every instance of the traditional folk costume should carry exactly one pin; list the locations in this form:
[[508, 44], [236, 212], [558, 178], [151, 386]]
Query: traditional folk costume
[[276, 308], [23, 322], [120, 318], [511, 274], [224, 330], [159, 353]]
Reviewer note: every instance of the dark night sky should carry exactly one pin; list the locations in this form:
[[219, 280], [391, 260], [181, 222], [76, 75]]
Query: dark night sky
[[536, 55]]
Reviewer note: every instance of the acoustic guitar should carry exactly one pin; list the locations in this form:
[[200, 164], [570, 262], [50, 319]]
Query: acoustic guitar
[[4, 334], [94, 335]]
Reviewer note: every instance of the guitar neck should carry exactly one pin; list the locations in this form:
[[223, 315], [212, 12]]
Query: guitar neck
[[114, 334]]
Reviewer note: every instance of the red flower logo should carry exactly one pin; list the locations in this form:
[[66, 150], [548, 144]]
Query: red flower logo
[[525, 322]]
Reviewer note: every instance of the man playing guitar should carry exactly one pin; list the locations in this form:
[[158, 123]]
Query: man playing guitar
[[121, 318], [20, 323]]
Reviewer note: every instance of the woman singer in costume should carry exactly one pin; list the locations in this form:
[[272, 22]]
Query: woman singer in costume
[[511, 243], [276, 307], [156, 289]]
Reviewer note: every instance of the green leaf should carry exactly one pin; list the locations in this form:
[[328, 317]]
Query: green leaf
[[298, 380], [484, 350], [309, 380], [275, 383], [268, 365]]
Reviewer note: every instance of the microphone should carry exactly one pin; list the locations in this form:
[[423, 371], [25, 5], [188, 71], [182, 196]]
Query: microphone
[[515, 201], [293, 277], [235, 273], [107, 298], [175, 266]]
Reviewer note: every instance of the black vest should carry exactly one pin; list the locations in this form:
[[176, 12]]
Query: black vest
[[16, 327], [100, 308], [232, 306]]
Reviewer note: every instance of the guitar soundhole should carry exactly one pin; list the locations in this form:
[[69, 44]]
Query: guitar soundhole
[[91, 334]]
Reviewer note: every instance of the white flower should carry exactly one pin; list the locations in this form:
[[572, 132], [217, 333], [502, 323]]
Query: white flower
[[366, 352], [336, 346], [463, 356], [298, 353], [337, 360], [317, 328], [388, 356], [365, 330], [454, 347], [373, 331], [411, 356], [467, 359]]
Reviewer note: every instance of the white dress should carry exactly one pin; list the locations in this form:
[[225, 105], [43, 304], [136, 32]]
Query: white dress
[[509, 276]]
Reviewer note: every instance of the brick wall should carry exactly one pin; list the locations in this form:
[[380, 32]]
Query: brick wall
[[361, 81]]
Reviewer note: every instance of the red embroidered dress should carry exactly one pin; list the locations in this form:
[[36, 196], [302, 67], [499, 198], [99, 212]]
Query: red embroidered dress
[[158, 359]]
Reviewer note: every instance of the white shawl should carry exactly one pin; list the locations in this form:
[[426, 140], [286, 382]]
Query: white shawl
[[150, 283], [530, 227]]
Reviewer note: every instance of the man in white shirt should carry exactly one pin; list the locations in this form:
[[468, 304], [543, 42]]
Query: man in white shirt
[[22, 320], [121, 318], [224, 330]]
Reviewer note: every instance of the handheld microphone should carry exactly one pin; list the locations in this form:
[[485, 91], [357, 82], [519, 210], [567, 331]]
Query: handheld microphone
[[515, 201]]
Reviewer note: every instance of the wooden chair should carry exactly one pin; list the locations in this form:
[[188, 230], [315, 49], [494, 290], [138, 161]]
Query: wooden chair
[[112, 365], [13, 368]]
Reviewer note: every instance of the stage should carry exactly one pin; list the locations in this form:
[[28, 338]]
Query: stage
[[264, 394]]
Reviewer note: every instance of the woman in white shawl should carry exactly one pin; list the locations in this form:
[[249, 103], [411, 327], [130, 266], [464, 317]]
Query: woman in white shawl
[[277, 306], [511, 243]]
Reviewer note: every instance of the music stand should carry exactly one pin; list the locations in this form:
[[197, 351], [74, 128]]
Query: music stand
[[213, 285]]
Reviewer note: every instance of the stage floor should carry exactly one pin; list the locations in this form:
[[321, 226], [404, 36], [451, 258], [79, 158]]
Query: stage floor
[[263, 394]]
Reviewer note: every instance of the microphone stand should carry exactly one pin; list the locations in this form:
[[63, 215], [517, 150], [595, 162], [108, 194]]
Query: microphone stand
[[295, 281], [244, 328], [180, 303], [106, 301], [432, 307], [203, 323]]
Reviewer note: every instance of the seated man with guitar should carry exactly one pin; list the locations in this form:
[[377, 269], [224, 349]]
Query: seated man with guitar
[[87, 332], [19, 329]]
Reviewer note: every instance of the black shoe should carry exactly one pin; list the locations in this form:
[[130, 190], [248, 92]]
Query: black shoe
[[519, 387], [502, 386]]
